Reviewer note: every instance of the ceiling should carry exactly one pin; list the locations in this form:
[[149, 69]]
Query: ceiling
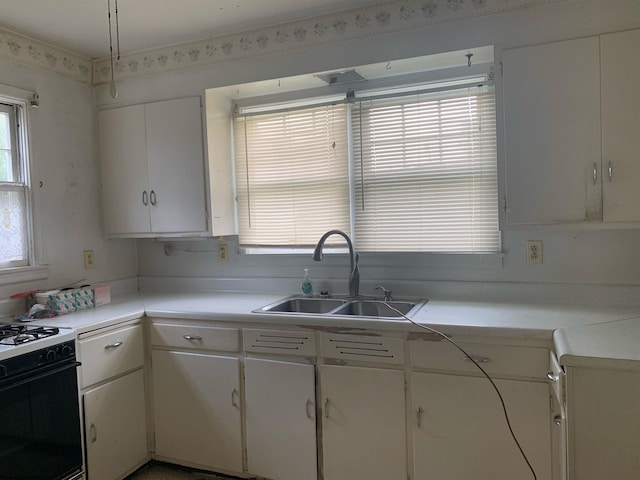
[[82, 25]]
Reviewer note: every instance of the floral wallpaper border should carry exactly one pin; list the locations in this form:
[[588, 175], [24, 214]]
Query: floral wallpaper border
[[368, 21], [362, 22], [32, 53]]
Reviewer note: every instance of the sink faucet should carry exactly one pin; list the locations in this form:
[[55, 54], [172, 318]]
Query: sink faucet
[[354, 273]]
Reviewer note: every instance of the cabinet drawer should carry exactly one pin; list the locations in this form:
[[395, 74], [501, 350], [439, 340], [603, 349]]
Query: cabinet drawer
[[195, 336], [495, 359], [365, 348], [279, 341], [110, 354]]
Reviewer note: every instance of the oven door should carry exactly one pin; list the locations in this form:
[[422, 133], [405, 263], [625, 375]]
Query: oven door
[[40, 435]]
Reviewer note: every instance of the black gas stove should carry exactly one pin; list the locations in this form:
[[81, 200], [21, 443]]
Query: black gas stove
[[15, 334], [40, 436]]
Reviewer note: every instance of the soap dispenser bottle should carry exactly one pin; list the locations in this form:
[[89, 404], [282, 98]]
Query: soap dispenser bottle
[[306, 287]]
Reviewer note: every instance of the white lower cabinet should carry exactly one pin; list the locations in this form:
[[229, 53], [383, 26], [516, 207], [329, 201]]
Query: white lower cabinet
[[363, 423], [116, 427], [114, 401], [280, 419], [197, 409], [459, 430]]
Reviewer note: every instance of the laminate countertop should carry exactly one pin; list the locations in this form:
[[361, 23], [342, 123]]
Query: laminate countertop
[[605, 336]]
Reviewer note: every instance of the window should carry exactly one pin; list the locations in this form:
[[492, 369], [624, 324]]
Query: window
[[414, 172], [292, 176], [426, 174], [14, 187]]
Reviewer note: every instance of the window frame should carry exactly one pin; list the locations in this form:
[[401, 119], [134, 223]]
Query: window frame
[[28, 269], [390, 90]]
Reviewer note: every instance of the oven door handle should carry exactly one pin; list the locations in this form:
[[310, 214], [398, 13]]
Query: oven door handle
[[29, 377]]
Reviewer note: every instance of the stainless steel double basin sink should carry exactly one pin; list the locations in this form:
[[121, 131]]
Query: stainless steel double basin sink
[[353, 307]]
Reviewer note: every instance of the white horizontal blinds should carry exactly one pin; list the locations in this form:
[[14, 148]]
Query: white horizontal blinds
[[425, 172], [292, 179]]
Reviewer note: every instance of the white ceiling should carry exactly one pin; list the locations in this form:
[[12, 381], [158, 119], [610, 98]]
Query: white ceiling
[[82, 25]]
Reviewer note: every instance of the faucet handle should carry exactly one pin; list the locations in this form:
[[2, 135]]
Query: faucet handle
[[387, 293]]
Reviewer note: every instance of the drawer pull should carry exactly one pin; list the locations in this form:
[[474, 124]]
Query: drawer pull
[[472, 358], [419, 412], [234, 395], [112, 345], [192, 337], [553, 377], [309, 409]]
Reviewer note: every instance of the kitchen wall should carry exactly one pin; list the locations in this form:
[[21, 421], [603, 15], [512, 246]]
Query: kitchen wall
[[580, 264], [67, 204]]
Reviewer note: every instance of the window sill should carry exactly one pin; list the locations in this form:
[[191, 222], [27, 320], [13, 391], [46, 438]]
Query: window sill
[[9, 276]]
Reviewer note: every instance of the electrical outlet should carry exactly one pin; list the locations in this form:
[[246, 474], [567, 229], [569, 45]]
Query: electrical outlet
[[223, 252], [534, 252], [89, 259]]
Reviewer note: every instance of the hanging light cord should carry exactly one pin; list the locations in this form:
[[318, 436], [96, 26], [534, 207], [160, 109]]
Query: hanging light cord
[[484, 372], [111, 35]]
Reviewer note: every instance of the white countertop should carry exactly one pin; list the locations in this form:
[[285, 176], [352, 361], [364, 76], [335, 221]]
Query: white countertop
[[603, 336]]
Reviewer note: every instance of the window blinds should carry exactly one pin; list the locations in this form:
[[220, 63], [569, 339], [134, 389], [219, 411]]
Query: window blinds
[[292, 175], [425, 172]]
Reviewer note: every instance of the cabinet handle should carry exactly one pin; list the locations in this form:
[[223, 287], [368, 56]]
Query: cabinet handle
[[94, 433], [326, 408], [309, 407], [553, 377], [477, 359], [145, 198], [112, 345], [419, 412], [192, 337], [152, 197], [557, 419], [234, 395], [610, 170], [595, 172]]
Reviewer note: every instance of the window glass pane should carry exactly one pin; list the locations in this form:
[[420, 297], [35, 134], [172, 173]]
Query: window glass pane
[[13, 227], [292, 176], [6, 162], [426, 173]]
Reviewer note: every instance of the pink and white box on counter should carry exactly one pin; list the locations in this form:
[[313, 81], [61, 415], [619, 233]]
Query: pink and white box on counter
[[101, 294], [65, 301]]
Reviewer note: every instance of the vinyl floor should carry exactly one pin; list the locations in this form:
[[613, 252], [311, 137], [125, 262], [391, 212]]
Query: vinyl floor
[[161, 471]]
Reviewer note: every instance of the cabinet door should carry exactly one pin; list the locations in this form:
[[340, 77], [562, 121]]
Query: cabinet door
[[280, 419], [364, 424], [603, 423], [197, 410], [621, 126], [116, 428], [123, 153], [176, 166], [459, 429], [552, 132]]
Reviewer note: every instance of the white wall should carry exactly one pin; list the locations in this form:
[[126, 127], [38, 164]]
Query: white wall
[[571, 256], [67, 206]]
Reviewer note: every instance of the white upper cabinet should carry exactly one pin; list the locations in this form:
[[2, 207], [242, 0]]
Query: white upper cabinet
[[153, 170], [552, 132], [621, 126], [571, 131]]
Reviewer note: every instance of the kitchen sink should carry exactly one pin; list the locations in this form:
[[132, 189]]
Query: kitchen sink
[[352, 307], [375, 308], [303, 305]]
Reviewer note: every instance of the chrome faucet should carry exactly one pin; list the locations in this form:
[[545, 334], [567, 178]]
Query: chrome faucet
[[354, 273]]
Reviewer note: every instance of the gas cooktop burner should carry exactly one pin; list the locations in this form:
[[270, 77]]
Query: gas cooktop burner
[[19, 334]]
